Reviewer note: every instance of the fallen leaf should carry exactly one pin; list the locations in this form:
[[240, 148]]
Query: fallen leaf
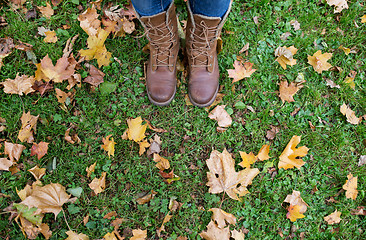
[[40, 149], [351, 187], [108, 145], [241, 70], [319, 61], [89, 21], [288, 91], [339, 5], [158, 130], [139, 234], [155, 146], [223, 177], [62, 96], [110, 236], [147, 198], [332, 84], [295, 199], [295, 24], [285, 35], [363, 19], [263, 153], [37, 172], [21, 84], [6, 48], [271, 134], [110, 215], [74, 236], [96, 76], [46, 11], [359, 211], [90, 169], [98, 184], [285, 56], [50, 37], [162, 227], [362, 160], [350, 114], [221, 116], [75, 79], [162, 163], [136, 130], [244, 49], [345, 50], [333, 218], [71, 139], [221, 217], [5, 164], [143, 145], [294, 213], [290, 157], [13, 150], [56, 73], [237, 235], [247, 159], [215, 233], [350, 82]]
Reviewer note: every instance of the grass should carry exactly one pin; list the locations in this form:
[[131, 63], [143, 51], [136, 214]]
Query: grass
[[335, 145]]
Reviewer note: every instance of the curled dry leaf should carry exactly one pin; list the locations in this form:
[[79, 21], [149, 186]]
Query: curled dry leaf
[[143, 145], [155, 145], [96, 76], [19, 85], [89, 21], [139, 234], [345, 50], [162, 227], [162, 163], [74, 236], [263, 153], [223, 177], [297, 206], [136, 130], [319, 61], [359, 211], [71, 139], [350, 115], [146, 198], [13, 150], [108, 145], [333, 218], [46, 11], [37, 172], [90, 169], [50, 37], [241, 70], [362, 160], [40, 149], [29, 125], [98, 184], [221, 116], [63, 69], [285, 56], [5, 164], [75, 79], [351, 187], [6, 47], [338, 4], [290, 157]]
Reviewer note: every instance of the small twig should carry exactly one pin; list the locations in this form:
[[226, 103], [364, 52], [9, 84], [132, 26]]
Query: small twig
[[222, 199]]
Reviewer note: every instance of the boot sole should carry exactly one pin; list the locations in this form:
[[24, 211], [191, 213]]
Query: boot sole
[[161, 104], [206, 104]]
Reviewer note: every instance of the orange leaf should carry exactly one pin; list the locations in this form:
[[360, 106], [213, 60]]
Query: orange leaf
[[57, 73], [50, 37], [351, 187], [319, 61], [285, 56], [350, 115], [241, 70], [288, 91], [293, 213], [98, 184], [21, 84], [109, 145], [37, 172], [46, 11], [263, 153], [247, 159], [162, 163], [39, 149]]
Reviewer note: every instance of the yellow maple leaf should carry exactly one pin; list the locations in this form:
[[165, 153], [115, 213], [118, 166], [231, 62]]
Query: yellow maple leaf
[[136, 130], [162, 163], [98, 184], [351, 187], [109, 145], [247, 159], [345, 50], [143, 145], [74, 236], [350, 114], [319, 61], [285, 56], [293, 213], [50, 37], [96, 48], [241, 70], [363, 19], [333, 218], [289, 158]]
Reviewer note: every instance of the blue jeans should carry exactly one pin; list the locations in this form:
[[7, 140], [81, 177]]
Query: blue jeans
[[209, 8]]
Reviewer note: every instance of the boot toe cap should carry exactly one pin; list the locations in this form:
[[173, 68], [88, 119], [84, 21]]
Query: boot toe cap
[[161, 96], [202, 96]]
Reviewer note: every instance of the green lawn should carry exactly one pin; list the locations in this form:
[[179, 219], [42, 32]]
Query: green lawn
[[335, 145]]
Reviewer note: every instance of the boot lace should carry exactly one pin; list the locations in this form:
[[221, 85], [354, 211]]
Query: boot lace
[[201, 45], [162, 40]]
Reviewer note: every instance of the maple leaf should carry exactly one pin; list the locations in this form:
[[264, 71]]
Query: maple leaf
[[294, 213], [74, 236], [48, 198], [109, 145], [295, 199], [46, 11], [143, 145], [136, 130], [21, 84], [363, 19], [162, 163], [221, 116], [223, 177], [263, 153], [13, 150], [29, 125], [333, 218], [50, 37], [146, 198], [37, 172], [339, 5], [6, 48], [98, 184], [241, 70], [350, 114], [351, 187], [319, 61], [110, 236], [247, 159], [221, 217], [5, 164], [56, 73], [290, 157], [215, 233], [90, 169], [138, 234], [345, 50], [96, 48], [39, 149], [288, 91], [96, 76], [285, 56], [89, 21]]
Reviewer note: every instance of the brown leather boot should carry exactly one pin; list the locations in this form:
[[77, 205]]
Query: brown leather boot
[[203, 69], [162, 32]]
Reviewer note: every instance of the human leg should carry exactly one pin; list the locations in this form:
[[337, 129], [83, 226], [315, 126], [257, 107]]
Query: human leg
[[150, 7], [210, 8]]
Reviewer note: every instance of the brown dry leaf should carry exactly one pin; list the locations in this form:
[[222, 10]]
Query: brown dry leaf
[[162, 163], [48, 198], [96, 48], [294, 213], [75, 79], [146, 198], [39, 149], [50, 37], [46, 11], [331, 84], [90, 169], [162, 227], [215, 233], [288, 91], [221, 116], [241, 70], [29, 229], [244, 49], [359, 211], [218, 100], [351, 187], [295, 199], [6, 48], [221, 217], [237, 235], [223, 177], [98, 184], [13, 151], [155, 145], [89, 21], [333, 218], [158, 130], [362, 160], [56, 73], [139, 234], [295, 24], [108, 145], [37, 172], [285, 56], [136, 130], [21, 84], [62, 96], [5, 164], [339, 5], [271, 134], [263, 153], [71, 139], [290, 157], [96, 76], [350, 115], [319, 61], [143, 145], [110, 236], [110, 215], [247, 159], [345, 50], [74, 236]]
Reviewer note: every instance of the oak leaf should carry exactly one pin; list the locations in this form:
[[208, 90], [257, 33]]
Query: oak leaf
[[285, 56], [215, 233], [136, 130], [139, 234], [74, 236], [333, 218], [247, 159], [29, 125], [37, 172], [21, 84], [90, 169], [39, 149], [50, 37], [96, 76], [350, 115], [319, 61], [13, 150], [108, 145], [63, 69], [223, 177], [339, 5], [89, 21], [294, 213], [351, 187], [241, 70], [221, 116], [46, 11], [98, 184], [5, 164], [221, 217], [290, 157], [162, 163], [288, 91]]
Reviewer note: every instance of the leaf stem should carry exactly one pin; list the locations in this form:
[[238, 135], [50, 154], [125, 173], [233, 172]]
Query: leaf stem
[[65, 219]]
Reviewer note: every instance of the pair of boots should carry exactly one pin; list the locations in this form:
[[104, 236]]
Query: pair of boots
[[201, 40]]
